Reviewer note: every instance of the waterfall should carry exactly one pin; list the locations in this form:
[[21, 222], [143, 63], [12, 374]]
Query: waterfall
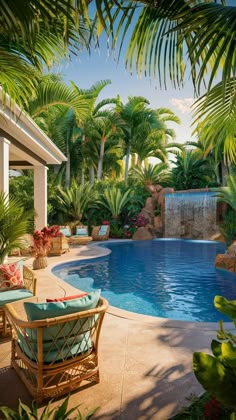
[[190, 215]]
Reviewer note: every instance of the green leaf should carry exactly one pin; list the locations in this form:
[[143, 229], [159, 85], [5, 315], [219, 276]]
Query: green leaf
[[227, 307], [215, 378]]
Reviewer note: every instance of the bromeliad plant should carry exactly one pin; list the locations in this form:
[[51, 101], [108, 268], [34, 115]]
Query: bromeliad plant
[[57, 413], [217, 373]]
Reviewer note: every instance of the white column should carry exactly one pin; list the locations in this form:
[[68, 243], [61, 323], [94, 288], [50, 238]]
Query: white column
[[40, 196], [4, 165]]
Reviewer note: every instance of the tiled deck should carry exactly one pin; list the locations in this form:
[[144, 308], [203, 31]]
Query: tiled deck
[[145, 362]]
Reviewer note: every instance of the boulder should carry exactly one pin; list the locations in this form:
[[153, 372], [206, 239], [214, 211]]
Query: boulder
[[226, 261], [161, 197], [150, 205], [153, 188], [142, 234], [232, 249], [158, 222], [217, 237]]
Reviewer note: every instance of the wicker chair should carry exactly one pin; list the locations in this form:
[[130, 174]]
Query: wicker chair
[[54, 356], [101, 233], [81, 236], [13, 295], [59, 245]]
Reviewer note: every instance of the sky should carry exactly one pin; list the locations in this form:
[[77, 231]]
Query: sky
[[84, 70]]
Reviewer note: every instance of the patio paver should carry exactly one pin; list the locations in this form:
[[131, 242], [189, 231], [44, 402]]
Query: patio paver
[[145, 362]]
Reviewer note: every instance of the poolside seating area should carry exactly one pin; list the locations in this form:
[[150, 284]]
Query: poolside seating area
[[144, 362], [27, 289], [55, 345]]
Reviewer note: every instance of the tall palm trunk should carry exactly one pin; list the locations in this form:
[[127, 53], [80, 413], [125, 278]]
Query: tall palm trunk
[[91, 175], [127, 162], [100, 162]]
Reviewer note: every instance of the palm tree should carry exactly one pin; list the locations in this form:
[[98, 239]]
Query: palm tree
[[190, 172], [169, 39], [89, 124], [152, 138], [151, 174], [29, 40], [133, 115]]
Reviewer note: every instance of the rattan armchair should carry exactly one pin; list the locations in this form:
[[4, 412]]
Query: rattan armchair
[[12, 295], [55, 356], [101, 233]]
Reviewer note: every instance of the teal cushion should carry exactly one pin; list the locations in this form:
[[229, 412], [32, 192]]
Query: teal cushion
[[77, 331], [36, 311], [103, 230], [56, 350], [65, 231], [9, 296], [82, 231]]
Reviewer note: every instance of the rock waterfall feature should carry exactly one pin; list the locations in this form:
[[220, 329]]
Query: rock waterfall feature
[[190, 215]]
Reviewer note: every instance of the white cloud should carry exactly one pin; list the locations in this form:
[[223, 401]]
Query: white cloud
[[183, 105]]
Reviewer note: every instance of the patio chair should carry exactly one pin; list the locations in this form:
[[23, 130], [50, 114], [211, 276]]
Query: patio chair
[[59, 245], [101, 233], [57, 352], [7, 296], [81, 236], [66, 230]]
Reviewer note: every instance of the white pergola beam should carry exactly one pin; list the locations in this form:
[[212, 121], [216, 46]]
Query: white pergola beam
[[4, 165], [40, 196]]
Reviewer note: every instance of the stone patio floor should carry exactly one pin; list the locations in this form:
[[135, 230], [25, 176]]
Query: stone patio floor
[[145, 362]]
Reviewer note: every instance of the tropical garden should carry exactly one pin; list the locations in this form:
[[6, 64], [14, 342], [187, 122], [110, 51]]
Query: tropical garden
[[109, 143]]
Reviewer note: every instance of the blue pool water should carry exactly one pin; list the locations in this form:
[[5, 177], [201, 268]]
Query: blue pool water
[[169, 278]]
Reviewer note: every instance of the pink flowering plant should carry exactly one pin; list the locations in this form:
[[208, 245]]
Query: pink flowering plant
[[43, 239], [134, 223], [106, 222]]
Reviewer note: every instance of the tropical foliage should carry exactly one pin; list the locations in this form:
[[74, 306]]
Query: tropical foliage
[[190, 173], [217, 373], [14, 222], [228, 194], [151, 174], [76, 200], [114, 200], [60, 412]]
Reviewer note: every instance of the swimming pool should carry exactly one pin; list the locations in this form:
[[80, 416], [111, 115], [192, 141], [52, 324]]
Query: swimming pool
[[169, 278]]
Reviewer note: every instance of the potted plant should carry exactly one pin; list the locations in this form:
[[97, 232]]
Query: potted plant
[[42, 244], [14, 223]]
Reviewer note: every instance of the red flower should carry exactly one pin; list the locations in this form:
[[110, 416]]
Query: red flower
[[43, 239], [212, 409]]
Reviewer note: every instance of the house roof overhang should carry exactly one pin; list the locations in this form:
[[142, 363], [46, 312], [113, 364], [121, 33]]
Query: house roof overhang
[[29, 145]]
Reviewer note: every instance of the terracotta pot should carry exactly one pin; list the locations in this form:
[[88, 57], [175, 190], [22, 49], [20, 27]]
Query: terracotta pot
[[40, 262]]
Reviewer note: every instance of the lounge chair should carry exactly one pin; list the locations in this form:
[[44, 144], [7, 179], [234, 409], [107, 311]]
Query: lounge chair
[[101, 233], [7, 296], [54, 355], [81, 236]]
